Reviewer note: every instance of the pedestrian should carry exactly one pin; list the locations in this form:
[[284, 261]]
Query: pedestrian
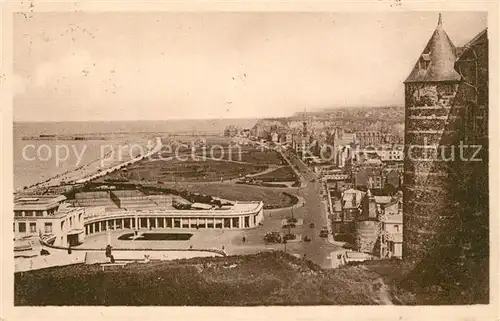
[[244, 239]]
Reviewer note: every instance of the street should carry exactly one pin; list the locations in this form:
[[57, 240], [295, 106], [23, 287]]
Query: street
[[319, 249]]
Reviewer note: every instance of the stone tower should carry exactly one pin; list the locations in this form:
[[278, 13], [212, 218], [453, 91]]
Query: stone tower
[[446, 194], [430, 125]]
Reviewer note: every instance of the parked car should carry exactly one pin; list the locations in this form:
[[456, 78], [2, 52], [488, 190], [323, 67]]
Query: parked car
[[273, 237], [306, 239], [290, 225], [323, 233], [288, 237], [311, 225]]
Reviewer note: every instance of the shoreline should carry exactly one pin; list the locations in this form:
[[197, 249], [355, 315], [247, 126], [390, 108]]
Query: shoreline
[[93, 169]]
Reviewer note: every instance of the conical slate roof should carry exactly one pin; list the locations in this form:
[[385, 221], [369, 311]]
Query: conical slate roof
[[439, 55]]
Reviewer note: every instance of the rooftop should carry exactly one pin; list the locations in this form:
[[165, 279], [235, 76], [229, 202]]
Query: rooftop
[[38, 202], [238, 208], [461, 50], [351, 198], [437, 61]]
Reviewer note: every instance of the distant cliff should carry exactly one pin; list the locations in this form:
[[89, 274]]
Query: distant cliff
[[387, 114]]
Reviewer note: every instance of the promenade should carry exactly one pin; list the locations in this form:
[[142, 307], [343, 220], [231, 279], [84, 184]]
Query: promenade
[[113, 168], [96, 168]]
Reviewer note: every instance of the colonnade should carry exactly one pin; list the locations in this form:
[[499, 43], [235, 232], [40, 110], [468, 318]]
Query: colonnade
[[155, 222]]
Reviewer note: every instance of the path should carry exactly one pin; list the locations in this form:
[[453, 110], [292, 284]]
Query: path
[[384, 296], [303, 180], [270, 169]]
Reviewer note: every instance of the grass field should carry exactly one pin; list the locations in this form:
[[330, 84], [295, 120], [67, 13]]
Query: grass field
[[235, 192], [261, 279], [256, 156], [282, 174], [189, 170], [247, 154]]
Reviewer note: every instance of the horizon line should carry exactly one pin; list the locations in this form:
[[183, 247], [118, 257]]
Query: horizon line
[[294, 114]]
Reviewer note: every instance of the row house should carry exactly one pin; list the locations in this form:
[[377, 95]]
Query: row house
[[345, 209], [391, 238]]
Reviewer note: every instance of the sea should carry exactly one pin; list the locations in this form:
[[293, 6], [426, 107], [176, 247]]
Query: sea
[[35, 159]]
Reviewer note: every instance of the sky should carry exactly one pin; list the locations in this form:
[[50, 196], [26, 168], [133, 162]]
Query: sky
[[76, 66]]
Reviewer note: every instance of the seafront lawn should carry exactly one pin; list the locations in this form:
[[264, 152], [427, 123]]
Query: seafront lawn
[[245, 154], [189, 170], [272, 198], [282, 174], [252, 155]]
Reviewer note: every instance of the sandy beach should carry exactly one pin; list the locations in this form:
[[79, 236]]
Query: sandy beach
[[122, 153]]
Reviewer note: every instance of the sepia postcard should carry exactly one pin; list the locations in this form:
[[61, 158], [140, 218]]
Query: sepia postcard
[[289, 160]]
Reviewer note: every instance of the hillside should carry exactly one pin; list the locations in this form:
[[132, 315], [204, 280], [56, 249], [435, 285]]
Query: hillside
[[263, 279], [272, 278]]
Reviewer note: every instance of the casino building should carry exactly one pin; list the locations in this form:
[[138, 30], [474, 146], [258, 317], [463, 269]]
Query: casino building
[[50, 217], [239, 216], [64, 222]]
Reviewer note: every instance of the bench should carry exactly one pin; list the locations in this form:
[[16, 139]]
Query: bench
[[112, 264]]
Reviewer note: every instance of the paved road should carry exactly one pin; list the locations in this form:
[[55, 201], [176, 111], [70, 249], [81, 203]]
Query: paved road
[[319, 249]]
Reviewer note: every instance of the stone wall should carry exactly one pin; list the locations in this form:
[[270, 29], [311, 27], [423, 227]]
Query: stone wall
[[430, 128], [366, 236]]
